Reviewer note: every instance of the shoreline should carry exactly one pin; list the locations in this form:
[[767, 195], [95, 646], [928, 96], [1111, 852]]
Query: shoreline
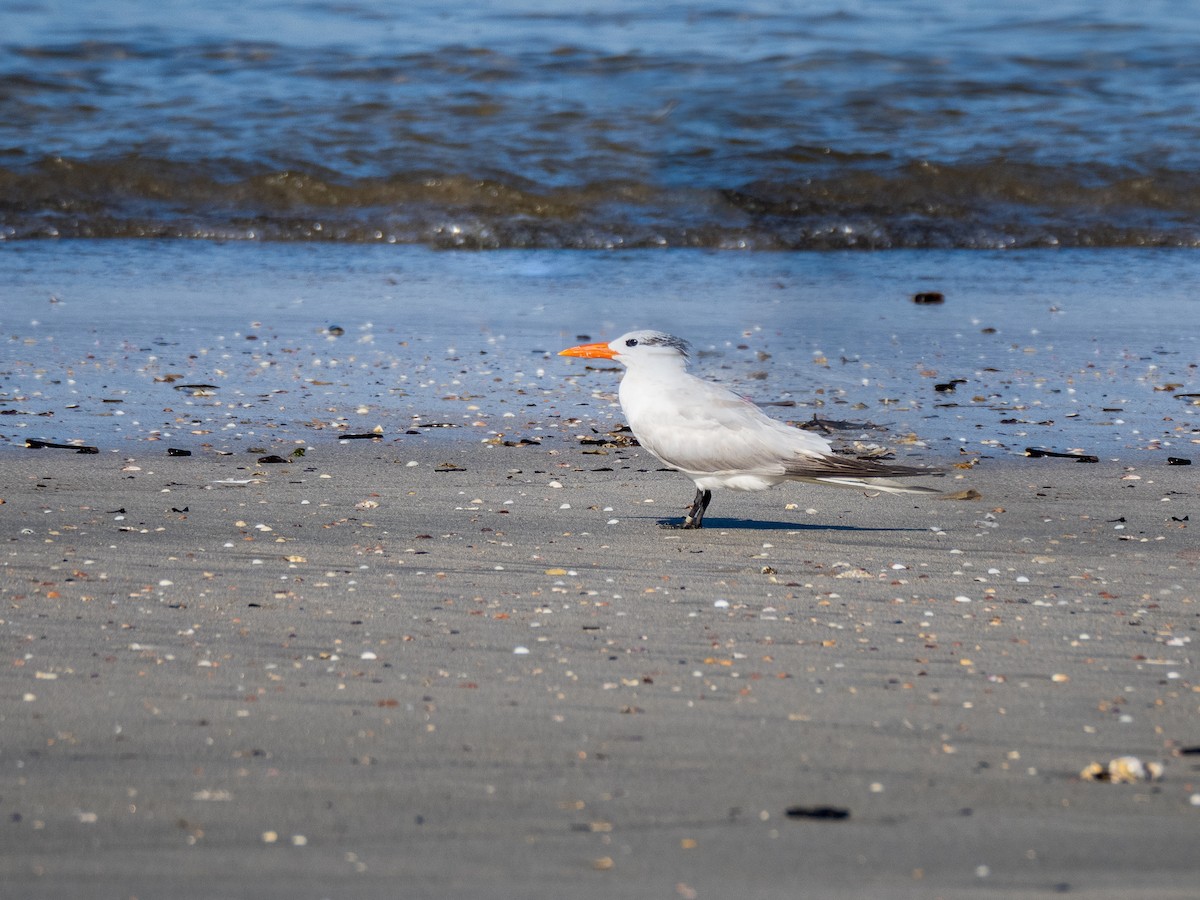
[[491, 671], [269, 345]]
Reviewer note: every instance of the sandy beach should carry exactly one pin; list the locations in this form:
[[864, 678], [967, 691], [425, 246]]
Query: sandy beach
[[460, 659], [453, 670]]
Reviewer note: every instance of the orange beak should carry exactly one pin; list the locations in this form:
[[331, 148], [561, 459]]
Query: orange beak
[[589, 351]]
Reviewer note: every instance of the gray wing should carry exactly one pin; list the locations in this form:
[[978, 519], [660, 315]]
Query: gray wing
[[700, 427]]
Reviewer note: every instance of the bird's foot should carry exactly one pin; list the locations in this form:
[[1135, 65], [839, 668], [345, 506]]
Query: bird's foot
[[688, 524]]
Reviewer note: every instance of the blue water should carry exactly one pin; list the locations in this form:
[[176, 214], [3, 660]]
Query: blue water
[[919, 123]]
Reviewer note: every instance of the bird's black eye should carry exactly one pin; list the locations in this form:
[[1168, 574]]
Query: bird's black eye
[[632, 342]]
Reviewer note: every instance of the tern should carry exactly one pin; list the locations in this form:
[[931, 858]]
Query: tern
[[718, 438]]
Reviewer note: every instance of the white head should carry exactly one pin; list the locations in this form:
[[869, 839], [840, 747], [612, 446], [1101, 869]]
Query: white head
[[638, 348]]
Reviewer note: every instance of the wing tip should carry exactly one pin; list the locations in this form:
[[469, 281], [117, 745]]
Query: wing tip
[[831, 465]]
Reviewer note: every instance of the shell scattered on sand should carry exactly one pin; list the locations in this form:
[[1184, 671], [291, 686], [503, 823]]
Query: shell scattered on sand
[[1123, 770]]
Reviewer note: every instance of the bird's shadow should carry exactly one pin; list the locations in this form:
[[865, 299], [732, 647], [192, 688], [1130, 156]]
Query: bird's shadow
[[764, 525]]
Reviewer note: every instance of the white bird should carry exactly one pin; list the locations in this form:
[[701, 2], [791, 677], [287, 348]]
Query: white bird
[[717, 438]]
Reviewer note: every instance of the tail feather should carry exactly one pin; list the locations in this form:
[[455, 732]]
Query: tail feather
[[879, 484], [861, 473]]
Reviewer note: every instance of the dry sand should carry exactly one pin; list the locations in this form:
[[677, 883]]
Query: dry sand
[[452, 670]]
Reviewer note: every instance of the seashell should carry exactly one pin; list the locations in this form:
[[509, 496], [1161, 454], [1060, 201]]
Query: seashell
[[1123, 770]]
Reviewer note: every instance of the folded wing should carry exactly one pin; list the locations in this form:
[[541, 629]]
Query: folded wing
[[700, 427]]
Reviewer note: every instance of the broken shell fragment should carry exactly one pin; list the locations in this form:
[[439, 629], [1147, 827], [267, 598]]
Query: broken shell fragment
[[1123, 770]]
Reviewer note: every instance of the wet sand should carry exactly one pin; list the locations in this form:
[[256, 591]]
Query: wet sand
[[444, 669], [130, 346]]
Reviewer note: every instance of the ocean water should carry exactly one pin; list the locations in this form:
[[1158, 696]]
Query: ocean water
[[614, 124]]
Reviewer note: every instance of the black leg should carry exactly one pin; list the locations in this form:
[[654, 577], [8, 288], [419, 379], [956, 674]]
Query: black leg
[[695, 514]]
